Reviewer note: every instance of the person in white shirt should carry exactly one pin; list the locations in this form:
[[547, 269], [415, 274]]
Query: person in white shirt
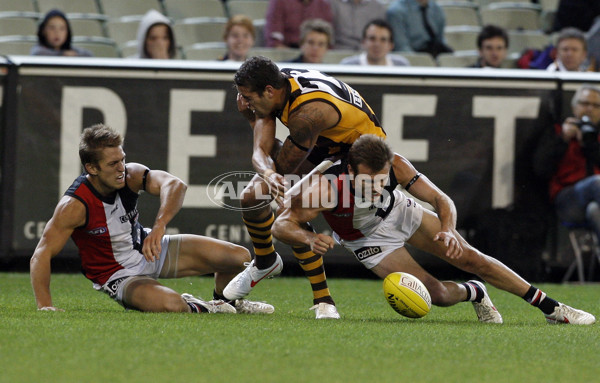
[[571, 52], [377, 42]]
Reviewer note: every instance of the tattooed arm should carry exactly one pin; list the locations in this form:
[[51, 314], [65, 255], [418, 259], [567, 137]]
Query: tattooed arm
[[305, 124]]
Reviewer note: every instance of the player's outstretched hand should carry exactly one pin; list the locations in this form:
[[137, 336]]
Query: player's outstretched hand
[[455, 250], [321, 243]]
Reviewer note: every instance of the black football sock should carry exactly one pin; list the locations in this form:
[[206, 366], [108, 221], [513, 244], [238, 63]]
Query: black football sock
[[217, 296], [474, 292], [539, 299], [196, 308], [262, 240]]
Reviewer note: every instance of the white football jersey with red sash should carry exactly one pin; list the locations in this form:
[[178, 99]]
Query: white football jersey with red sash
[[371, 230], [354, 217], [112, 237]]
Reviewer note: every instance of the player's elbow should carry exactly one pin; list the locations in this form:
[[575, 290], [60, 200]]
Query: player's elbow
[[302, 139], [177, 185], [182, 185]]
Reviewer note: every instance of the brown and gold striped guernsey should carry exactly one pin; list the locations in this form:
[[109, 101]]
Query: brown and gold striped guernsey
[[356, 116]]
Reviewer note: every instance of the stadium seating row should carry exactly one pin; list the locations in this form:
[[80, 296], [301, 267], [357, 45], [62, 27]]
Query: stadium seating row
[[513, 15], [103, 47], [108, 27]]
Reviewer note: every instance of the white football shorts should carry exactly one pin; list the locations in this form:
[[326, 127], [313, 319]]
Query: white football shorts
[[117, 283], [391, 234]]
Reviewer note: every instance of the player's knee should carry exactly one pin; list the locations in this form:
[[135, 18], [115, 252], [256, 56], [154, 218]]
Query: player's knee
[[256, 193], [236, 256], [241, 253], [277, 228], [247, 197]]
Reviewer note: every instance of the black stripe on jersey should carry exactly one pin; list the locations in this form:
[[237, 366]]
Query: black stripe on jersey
[[343, 93], [337, 169], [87, 211], [393, 182], [307, 82]]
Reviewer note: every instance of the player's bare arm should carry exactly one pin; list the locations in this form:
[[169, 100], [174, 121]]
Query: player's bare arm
[[289, 226], [305, 124], [171, 191], [68, 215], [262, 159], [425, 190]]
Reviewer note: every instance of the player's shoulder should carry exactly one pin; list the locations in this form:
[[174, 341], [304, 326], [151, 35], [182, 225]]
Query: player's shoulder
[[136, 176], [70, 211], [403, 169], [135, 168]]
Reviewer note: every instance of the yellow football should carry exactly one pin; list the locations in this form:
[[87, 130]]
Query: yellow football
[[407, 295]]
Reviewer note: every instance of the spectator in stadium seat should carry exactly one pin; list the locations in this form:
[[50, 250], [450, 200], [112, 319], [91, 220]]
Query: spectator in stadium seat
[[54, 37], [316, 36], [377, 42], [492, 45], [418, 26], [571, 52], [239, 37], [284, 17], [99, 212], [568, 157], [155, 37], [350, 18]]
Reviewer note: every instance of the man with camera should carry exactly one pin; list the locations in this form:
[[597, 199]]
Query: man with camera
[[570, 158]]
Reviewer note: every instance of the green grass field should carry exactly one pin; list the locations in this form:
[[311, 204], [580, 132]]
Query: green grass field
[[95, 340]]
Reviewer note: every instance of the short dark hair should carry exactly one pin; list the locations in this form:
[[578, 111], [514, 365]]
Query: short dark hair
[[490, 31], [94, 139], [371, 151], [571, 33], [381, 23], [257, 72]]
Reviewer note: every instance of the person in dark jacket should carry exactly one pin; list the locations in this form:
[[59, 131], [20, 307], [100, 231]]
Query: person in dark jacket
[[54, 37], [569, 157], [492, 45]]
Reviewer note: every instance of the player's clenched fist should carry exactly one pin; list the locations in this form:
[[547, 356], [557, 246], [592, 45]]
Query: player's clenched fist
[[321, 243]]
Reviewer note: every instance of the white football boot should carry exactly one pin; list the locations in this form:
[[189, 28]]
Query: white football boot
[[214, 306], [568, 315], [486, 311], [242, 284], [325, 311], [244, 306]]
